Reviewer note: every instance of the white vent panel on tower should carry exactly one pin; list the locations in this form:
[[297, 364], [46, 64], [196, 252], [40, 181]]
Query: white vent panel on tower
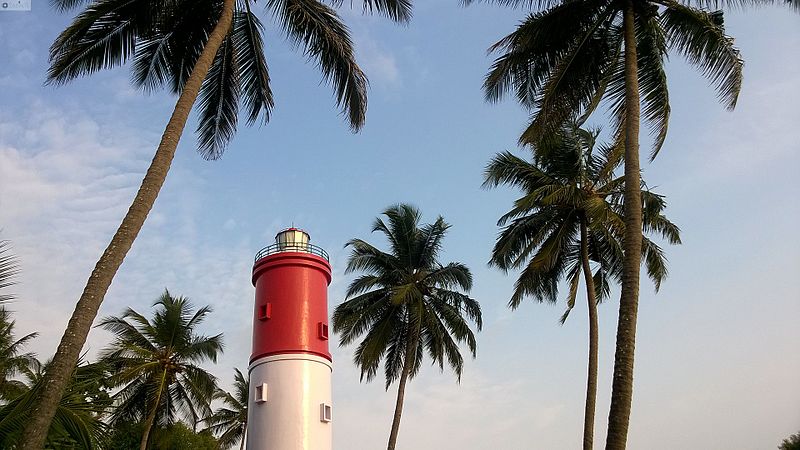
[[325, 412], [261, 393]]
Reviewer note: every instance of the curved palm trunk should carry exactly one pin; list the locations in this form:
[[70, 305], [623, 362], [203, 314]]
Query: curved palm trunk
[[411, 356], [622, 386], [591, 376], [57, 376], [151, 417], [244, 437]]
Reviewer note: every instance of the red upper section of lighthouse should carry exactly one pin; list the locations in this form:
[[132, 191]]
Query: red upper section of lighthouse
[[291, 308]]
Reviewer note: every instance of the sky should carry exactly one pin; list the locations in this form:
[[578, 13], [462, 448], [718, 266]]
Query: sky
[[716, 358]]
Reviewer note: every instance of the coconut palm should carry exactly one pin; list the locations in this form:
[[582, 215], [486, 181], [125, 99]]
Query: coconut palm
[[570, 215], [562, 61], [230, 421], [155, 364], [78, 419], [13, 360], [210, 48], [406, 303]]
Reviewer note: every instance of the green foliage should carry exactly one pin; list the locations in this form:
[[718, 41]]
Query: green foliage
[[791, 443], [407, 302], [154, 363], [13, 361], [566, 183], [77, 422], [178, 436], [229, 422], [126, 436]]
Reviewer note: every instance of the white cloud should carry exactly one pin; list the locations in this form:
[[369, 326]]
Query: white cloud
[[66, 181], [379, 64], [62, 192]]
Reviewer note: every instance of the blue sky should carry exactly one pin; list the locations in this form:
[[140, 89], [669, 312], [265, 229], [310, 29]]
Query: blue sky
[[716, 356]]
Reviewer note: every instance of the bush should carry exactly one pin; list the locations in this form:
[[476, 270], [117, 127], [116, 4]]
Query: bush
[[177, 436]]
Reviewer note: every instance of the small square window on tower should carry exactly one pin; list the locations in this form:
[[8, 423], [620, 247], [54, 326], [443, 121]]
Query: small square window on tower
[[265, 311], [261, 393], [325, 412], [323, 331]]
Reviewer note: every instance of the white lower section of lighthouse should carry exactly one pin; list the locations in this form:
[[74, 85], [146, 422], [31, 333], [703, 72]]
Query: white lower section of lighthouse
[[290, 403]]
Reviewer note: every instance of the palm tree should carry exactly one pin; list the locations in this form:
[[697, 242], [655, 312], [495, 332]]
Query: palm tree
[[210, 48], [569, 215], [155, 363], [77, 422], [12, 359], [230, 421], [406, 302], [562, 61]]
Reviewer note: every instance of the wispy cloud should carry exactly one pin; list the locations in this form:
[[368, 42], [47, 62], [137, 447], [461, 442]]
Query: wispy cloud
[[378, 63], [66, 180]]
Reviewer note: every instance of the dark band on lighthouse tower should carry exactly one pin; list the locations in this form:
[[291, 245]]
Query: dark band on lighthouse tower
[[290, 367]]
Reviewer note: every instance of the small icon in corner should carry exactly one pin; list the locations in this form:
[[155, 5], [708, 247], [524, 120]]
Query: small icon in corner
[[15, 5]]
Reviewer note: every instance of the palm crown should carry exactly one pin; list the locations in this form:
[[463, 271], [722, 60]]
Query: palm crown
[[155, 363], [564, 60], [407, 302], [567, 184], [165, 39]]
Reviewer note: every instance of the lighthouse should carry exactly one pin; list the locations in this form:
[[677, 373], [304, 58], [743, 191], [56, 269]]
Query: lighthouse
[[290, 367]]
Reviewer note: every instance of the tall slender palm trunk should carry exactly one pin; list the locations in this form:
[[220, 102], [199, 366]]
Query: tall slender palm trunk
[[151, 416], [411, 356], [244, 438], [622, 385], [58, 374], [591, 376]]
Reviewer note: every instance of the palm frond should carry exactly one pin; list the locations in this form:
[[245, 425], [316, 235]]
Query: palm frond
[[189, 33], [700, 37], [652, 50], [101, 37], [357, 315], [317, 28], [527, 4], [373, 347], [219, 103], [572, 85], [430, 243], [397, 10], [9, 268], [573, 278], [252, 65], [654, 261], [533, 51], [451, 276]]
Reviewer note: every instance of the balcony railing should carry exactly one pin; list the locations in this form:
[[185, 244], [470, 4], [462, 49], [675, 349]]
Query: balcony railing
[[300, 248]]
